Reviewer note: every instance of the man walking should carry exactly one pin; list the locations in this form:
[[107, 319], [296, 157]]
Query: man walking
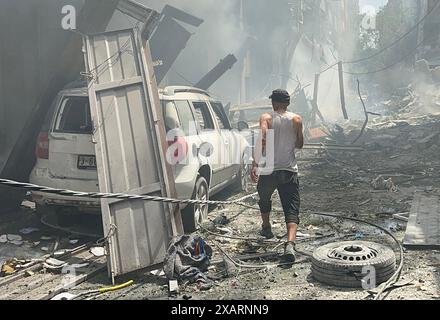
[[281, 134]]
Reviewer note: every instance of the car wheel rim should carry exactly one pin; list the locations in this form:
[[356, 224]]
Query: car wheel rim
[[201, 210]]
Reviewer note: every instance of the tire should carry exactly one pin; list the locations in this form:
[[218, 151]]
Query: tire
[[242, 182], [194, 214], [329, 266]]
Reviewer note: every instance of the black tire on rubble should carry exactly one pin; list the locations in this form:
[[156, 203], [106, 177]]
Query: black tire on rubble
[[349, 274], [195, 214]]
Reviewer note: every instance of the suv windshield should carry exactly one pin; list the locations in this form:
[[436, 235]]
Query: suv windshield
[[74, 116]]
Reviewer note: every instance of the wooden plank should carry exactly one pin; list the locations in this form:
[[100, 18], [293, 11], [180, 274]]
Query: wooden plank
[[423, 230], [342, 90]]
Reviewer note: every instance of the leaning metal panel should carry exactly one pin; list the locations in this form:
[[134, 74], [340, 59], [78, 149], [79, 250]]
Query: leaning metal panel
[[128, 149]]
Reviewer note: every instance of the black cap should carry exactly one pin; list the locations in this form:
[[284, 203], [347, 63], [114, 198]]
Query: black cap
[[280, 95]]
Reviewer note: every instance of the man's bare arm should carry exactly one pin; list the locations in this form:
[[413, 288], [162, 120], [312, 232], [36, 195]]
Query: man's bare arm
[[297, 121]]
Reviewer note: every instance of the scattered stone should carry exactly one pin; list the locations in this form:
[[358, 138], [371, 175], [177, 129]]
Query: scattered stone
[[14, 237], [3, 238]]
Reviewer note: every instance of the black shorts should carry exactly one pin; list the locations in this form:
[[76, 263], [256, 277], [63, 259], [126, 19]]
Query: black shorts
[[287, 184]]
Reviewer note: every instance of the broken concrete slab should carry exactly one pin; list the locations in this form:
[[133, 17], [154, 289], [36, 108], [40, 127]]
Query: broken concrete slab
[[423, 230]]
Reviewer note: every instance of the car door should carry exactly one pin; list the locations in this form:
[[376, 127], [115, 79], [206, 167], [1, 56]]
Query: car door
[[231, 151], [209, 134]]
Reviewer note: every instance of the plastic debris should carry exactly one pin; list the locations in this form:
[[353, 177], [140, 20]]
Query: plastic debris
[[173, 287]]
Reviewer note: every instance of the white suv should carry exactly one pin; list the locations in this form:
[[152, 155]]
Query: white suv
[[207, 155]]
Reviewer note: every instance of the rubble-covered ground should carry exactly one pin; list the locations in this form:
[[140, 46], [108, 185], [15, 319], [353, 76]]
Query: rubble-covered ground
[[401, 157]]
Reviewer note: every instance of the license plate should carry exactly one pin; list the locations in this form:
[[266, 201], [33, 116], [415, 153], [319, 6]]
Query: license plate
[[86, 162]]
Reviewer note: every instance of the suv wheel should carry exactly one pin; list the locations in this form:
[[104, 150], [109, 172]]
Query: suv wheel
[[195, 214], [242, 182]]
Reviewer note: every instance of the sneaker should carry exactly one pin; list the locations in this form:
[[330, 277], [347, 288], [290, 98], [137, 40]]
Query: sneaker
[[267, 233], [289, 252]]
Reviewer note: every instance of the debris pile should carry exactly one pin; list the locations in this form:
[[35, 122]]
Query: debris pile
[[414, 100]]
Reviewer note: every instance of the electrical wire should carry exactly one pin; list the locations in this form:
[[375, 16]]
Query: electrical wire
[[388, 66], [398, 40]]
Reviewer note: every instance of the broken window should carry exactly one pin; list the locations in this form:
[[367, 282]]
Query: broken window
[[74, 116], [203, 116]]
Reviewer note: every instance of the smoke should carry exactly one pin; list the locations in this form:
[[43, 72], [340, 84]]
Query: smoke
[[266, 32], [218, 36], [310, 59]]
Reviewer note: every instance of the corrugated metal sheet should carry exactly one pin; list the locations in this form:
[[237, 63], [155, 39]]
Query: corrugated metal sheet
[[129, 150]]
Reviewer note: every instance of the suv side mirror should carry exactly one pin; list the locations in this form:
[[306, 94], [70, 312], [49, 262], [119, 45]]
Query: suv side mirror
[[242, 125]]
